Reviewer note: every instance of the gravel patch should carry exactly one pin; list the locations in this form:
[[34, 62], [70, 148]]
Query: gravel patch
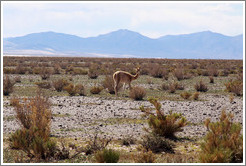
[[80, 116]]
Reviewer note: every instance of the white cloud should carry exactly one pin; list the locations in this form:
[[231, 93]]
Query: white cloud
[[152, 19]]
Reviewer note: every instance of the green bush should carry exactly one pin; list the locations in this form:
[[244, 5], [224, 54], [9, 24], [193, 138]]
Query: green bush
[[223, 142], [164, 125], [107, 156]]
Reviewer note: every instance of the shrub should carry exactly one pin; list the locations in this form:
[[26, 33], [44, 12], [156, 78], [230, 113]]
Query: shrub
[[79, 71], [127, 141], [211, 79], [93, 73], [185, 95], [96, 144], [8, 70], [69, 69], [57, 69], [8, 85], [159, 72], [213, 72], [178, 86], [71, 89], [80, 89], [172, 88], [137, 93], [235, 86], [164, 125], [107, 156], [96, 89], [164, 87], [45, 73], [195, 96], [20, 69], [179, 74], [44, 84], [75, 89], [205, 73], [223, 143], [108, 84], [145, 157], [175, 86], [34, 116], [225, 72], [201, 87], [60, 84], [156, 144]]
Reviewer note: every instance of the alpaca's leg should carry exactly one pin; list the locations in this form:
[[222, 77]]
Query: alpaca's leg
[[116, 87], [130, 87]]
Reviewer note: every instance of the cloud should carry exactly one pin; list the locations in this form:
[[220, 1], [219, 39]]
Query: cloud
[[149, 18]]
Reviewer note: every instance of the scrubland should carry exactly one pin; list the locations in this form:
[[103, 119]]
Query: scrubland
[[60, 109]]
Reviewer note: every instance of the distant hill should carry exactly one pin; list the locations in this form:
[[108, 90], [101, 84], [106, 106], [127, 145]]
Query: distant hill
[[125, 43]]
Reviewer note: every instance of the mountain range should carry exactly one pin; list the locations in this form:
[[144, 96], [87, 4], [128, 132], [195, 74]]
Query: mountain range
[[126, 43]]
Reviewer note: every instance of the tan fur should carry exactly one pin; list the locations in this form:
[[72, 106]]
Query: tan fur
[[124, 77]]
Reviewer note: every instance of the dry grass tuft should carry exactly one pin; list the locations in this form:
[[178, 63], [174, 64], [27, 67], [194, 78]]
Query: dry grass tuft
[[137, 93]]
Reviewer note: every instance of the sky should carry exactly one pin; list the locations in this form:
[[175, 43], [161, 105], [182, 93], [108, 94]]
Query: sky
[[152, 19]]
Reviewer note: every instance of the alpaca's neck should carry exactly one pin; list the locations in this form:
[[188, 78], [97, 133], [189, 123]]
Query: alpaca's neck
[[135, 76]]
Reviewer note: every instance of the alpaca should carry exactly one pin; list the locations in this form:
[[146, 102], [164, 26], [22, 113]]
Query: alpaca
[[125, 77]]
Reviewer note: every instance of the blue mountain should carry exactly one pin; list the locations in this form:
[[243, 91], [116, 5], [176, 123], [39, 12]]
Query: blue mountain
[[201, 45]]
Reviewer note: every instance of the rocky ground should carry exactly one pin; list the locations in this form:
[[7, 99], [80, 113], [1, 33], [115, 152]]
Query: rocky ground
[[81, 116]]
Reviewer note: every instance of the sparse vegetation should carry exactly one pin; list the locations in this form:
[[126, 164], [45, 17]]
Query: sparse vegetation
[[45, 73], [108, 84], [155, 143], [161, 124], [235, 87], [145, 157], [185, 95], [107, 156], [8, 85], [195, 95], [201, 87], [211, 79], [75, 89], [44, 84], [60, 84], [33, 138], [71, 139], [223, 143], [96, 89], [93, 73], [137, 93]]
